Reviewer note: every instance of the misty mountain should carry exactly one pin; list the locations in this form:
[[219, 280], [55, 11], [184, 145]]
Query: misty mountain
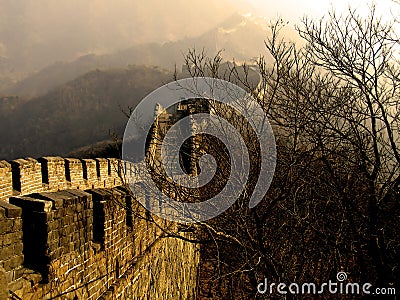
[[35, 33], [81, 117], [79, 113], [239, 37]]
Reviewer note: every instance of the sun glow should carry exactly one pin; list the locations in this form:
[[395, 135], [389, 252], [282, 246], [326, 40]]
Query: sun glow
[[294, 11]]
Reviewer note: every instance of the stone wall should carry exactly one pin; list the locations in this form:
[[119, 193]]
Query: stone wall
[[25, 176], [11, 244], [69, 230]]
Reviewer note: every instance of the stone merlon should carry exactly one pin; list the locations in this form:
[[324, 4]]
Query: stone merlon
[[51, 174], [70, 229]]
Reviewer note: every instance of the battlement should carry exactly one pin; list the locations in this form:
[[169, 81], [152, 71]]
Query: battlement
[[69, 229], [51, 174]]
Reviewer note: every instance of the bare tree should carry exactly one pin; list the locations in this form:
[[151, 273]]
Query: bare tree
[[333, 204], [361, 53]]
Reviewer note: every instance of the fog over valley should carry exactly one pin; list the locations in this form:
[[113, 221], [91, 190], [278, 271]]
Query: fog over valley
[[61, 60], [34, 34]]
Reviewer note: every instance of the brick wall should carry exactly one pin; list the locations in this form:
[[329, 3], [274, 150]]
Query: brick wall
[[92, 244], [11, 257], [53, 173], [26, 176], [17, 277], [6, 184]]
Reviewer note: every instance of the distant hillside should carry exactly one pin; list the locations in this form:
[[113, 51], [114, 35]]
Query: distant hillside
[[36, 33], [74, 115], [240, 37]]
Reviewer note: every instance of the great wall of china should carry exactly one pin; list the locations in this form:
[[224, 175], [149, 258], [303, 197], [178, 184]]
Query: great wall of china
[[70, 230]]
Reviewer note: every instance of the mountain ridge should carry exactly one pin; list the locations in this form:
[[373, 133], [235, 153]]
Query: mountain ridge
[[81, 112], [236, 36]]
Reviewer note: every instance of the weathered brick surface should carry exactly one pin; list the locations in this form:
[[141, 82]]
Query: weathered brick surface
[[93, 244], [90, 173], [103, 172], [74, 171], [11, 246], [3, 285], [66, 228], [116, 172], [55, 224], [8, 210], [53, 173], [27, 176], [6, 189]]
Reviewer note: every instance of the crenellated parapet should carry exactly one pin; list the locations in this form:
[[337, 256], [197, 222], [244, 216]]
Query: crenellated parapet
[[51, 174], [70, 229]]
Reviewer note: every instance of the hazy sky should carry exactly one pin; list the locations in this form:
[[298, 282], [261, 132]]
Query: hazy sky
[[36, 32], [47, 30], [294, 10]]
